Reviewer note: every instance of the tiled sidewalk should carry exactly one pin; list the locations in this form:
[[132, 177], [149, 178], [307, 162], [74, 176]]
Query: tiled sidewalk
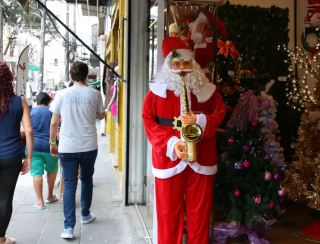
[[32, 226]]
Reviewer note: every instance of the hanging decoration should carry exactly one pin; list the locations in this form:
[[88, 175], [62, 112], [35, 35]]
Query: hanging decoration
[[297, 91], [226, 47], [200, 4]]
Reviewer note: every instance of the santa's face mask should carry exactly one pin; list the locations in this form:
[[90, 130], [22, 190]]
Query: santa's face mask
[[181, 65]]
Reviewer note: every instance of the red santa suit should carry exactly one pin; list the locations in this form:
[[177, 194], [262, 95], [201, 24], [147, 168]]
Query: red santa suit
[[175, 179]]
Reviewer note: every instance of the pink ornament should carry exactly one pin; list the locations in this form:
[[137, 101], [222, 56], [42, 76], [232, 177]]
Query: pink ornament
[[272, 205], [279, 138], [260, 138], [230, 141], [267, 176], [237, 193], [254, 123], [282, 192], [276, 176], [274, 123], [257, 199], [246, 164], [247, 148]]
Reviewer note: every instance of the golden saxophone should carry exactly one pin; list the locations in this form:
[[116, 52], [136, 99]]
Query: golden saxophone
[[192, 133]]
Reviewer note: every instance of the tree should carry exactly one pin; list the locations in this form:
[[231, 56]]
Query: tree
[[303, 175], [19, 21], [248, 181]]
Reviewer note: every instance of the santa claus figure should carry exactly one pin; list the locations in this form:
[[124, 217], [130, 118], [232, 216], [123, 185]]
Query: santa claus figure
[[313, 18], [176, 179], [201, 39]]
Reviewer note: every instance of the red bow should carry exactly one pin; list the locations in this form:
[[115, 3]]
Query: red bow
[[226, 48]]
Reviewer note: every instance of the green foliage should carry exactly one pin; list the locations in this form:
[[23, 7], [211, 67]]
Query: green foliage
[[19, 21], [256, 33]]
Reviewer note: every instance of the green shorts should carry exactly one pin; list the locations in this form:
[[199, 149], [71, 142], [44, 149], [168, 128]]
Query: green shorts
[[43, 161]]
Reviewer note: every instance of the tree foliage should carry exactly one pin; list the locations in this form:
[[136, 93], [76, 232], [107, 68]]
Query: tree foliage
[[21, 22]]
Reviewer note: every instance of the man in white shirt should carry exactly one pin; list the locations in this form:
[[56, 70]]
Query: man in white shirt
[[78, 106]]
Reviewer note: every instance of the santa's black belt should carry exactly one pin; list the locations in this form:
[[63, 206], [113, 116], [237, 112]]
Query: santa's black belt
[[167, 122]]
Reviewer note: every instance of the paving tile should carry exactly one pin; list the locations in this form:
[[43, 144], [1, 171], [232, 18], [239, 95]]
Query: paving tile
[[24, 238], [29, 208], [100, 235], [31, 217]]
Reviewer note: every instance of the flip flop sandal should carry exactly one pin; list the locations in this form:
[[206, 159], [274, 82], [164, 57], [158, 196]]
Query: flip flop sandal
[[10, 240], [54, 200], [35, 206]]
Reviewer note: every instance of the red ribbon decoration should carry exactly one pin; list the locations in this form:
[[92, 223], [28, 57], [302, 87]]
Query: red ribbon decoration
[[226, 48]]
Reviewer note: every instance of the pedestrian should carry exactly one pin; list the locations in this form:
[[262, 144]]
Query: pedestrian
[[79, 106], [42, 160], [13, 111]]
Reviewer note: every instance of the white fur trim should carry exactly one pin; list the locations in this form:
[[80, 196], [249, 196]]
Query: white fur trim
[[185, 54], [209, 39], [159, 89], [171, 153], [200, 45], [202, 121], [197, 35], [167, 173], [203, 16]]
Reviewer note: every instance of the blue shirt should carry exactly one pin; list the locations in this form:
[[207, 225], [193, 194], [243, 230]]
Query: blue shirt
[[10, 139], [41, 119]]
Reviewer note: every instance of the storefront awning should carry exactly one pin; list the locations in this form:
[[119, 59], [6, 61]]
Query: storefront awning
[[96, 83]]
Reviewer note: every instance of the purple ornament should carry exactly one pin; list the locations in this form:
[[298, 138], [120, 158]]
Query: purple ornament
[[238, 165], [237, 193], [257, 199], [267, 176], [276, 176], [282, 192], [246, 164], [247, 148], [282, 200], [264, 103]]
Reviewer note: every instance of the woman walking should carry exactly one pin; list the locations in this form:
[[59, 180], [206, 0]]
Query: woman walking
[[13, 111], [42, 160], [79, 106]]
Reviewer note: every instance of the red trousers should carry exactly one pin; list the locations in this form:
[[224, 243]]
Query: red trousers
[[197, 190]]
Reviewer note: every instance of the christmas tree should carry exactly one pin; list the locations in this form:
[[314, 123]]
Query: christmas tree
[[248, 179], [303, 175], [272, 146]]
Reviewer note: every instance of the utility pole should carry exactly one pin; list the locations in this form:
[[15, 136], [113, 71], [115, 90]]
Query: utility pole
[[1, 32], [66, 50], [75, 27], [42, 40]]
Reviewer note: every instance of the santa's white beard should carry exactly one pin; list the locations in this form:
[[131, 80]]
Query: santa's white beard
[[315, 20], [194, 79]]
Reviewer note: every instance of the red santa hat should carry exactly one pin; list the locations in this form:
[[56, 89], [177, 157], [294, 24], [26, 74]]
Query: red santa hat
[[313, 3], [208, 17], [174, 48]]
